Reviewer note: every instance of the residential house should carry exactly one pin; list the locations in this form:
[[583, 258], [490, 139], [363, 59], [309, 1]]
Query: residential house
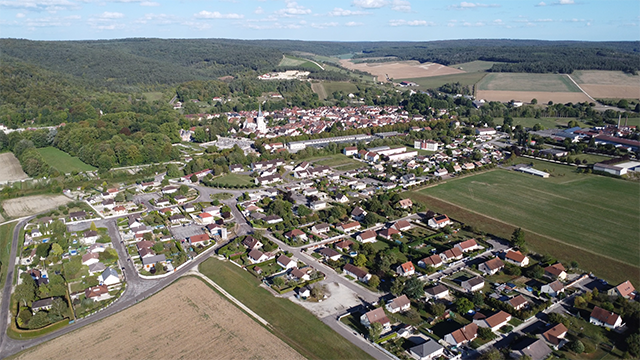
[[368, 236], [553, 289], [89, 237], [213, 210], [518, 302], [451, 254], [433, 260], [406, 269], [495, 321], [330, 254], [358, 213], [146, 253], [272, 219], [428, 350], [320, 228], [77, 215], [405, 203], [97, 293], [109, 277], [485, 131], [341, 198], [492, 266], [356, 272], [439, 221], [534, 349], [108, 204], [303, 274], [555, 271], [236, 168], [150, 262], [96, 268], [602, 317], [625, 290], [388, 233], [189, 208], [399, 304], [251, 243], [349, 227], [296, 234], [176, 219], [350, 150], [344, 245], [204, 218], [200, 239], [217, 230], [468, 245], [318, 205], [517, 258], [463, 335], [286, 262], [43, 304], [257, 256], [437, 292], [376, 316], [144, 244], [402, 225], [556, 335], [180, 199], [303, 292], [163, 202], [473, 284], [90, 258], [97, 248]]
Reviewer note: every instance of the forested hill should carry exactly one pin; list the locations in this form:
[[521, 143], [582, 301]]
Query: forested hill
[[122, 63]]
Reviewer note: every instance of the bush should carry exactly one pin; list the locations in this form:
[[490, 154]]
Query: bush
[[576, 346]]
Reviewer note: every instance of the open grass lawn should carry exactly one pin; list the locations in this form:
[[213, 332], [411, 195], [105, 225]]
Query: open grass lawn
[[233, 179], [348, 167], [527, 82], [298, 62], [475, 66], [333, 86], [6, 236], [545, 122], [293, 324], [587, 218], [433, 82], [153, 96], [338, 160], [62, 161]]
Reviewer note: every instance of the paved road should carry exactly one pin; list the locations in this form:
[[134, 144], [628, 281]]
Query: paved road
[[355, 338]]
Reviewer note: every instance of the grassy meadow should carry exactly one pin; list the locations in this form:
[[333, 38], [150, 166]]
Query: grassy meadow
[[62, 161], [233, 179], [527, 82], [433, 82]]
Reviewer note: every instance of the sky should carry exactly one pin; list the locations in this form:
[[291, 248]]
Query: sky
[[328, 20]]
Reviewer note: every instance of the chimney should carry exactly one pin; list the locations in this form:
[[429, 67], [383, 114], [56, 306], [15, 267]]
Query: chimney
[[619, 117]]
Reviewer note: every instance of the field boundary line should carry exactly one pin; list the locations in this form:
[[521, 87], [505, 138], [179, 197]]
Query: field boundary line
[[230, 297], [581, 89], [533, 232]]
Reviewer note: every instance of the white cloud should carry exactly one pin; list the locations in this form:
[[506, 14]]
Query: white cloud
[[401, 5], [370, 4], [344, 12], [410, 23], [258, 10], [111, 15], [353, 23], [293, 9], [476, 24], [324, 25], [161, 19], [51, 6], [498, 22], [544, 20], [216, 15], [20, 15], [566, 2], [542, 3], [470, 5]]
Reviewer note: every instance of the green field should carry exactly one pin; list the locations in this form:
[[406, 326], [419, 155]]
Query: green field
[[153, 96], [433, 82], [527, 82], [297, 62], [325, 89], [562, 214], [546, 122], [293, 324], [233, 179], [62, 161], [6, 235], [475, 66], [336, 160]]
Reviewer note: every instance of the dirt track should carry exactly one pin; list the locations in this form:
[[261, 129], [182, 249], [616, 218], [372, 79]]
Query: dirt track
[[187, 320], [526, 96], [11, 169], [33, 204], [401, 69]]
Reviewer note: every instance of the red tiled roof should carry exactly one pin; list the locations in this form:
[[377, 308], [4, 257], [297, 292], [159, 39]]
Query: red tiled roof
[[604, 316]]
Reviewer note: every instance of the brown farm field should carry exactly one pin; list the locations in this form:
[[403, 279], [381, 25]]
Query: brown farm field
[[187, 320], [11, 169], [401, 69], [30, 205], [608, 84]]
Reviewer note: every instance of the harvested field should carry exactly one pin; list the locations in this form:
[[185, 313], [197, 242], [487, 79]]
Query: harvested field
[[401, 69], [527, 82], [526, 96], [11, 169], [433, 82], [612, 91], [30, 205], [189, 321], [601, 77]]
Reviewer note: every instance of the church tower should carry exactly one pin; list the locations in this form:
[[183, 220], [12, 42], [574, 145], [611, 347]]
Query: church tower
[[261, 124]]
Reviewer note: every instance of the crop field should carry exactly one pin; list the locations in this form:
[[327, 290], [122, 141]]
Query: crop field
[[587, 218], [401, 69], [608, 84], [30, 205], [434, 82], [233, 179], [475, 66], [293, 324], [187, 320], [525, 87], [62, 161], [11, 169]]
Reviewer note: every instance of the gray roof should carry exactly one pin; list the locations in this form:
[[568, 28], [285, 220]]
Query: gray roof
[[536, 349], [42, 303], [153, 259], [109, 272], [427, 348], [96, 267]]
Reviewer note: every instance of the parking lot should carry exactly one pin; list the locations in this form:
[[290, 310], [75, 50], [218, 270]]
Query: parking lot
[[183, 232]]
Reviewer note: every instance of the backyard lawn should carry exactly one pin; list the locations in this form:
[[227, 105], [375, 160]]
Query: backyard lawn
[[293, 324]]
